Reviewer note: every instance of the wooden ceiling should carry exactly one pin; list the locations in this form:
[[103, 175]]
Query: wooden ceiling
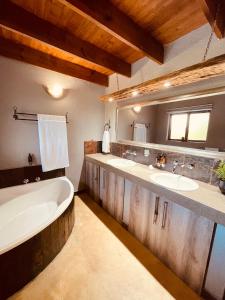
[[93, 39]]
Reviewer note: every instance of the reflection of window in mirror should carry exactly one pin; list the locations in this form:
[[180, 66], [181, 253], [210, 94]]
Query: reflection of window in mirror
[[197, 123], [191, 126]]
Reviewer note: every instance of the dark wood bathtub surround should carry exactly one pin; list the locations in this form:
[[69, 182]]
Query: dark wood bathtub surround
[[16, 176], [21, 264], [203, 171]]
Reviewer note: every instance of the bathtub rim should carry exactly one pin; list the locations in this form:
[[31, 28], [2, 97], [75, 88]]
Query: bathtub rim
[[62, 207]]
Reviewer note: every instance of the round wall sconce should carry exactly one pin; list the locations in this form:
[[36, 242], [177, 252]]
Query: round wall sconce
[[137, 108], [55, 91]]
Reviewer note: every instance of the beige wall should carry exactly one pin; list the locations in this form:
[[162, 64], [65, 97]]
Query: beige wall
[[21, 85]]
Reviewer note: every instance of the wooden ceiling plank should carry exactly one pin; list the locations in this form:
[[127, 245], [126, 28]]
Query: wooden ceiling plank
[[20, 20], [196, 73], [26, 54], [111, 19], [209, 8]]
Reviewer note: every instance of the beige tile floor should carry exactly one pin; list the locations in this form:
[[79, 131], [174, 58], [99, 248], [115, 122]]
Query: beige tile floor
[[102, 261]]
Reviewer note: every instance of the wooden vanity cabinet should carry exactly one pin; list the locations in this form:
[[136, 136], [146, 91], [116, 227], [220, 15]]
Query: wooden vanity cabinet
[[112, 193], [177, 236], [92, 171], [215, 278]]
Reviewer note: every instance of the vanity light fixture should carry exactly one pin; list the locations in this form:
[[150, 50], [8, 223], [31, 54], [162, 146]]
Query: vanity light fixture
[[56, 91], [135, 93], [167, 84], [137, 108]]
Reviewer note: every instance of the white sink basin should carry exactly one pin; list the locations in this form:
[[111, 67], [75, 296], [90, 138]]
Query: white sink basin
[[174, 182], [120, 162]]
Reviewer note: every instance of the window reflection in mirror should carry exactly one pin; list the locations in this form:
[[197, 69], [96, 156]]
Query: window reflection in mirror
[[196, 123]]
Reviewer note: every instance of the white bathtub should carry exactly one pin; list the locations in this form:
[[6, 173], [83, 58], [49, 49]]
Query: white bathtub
[[25, 210]]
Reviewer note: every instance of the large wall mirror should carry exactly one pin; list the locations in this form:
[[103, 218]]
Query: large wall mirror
[[196, 123]]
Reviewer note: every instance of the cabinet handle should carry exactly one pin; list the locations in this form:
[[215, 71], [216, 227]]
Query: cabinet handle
[[96, 173], [156, 212], [165, 206], [104, 179]]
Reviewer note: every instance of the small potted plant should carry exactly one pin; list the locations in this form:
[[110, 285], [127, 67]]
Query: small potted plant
[[220, 172]]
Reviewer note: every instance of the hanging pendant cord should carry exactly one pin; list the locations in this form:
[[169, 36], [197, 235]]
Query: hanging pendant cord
[[117, 80], [212, 31]]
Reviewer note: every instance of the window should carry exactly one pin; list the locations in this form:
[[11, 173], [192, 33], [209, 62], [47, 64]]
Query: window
[[189, 126]]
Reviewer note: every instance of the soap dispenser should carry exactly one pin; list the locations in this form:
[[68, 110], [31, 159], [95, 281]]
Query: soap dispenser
[[30, 159]]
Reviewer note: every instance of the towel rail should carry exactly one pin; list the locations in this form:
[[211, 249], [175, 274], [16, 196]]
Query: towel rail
[[147, 125], [16, 116]]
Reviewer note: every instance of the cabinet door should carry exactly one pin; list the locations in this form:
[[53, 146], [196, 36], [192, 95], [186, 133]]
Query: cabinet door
[[92, 180], [112, 193], [177, 236], [182, 241], [141, 210], [215, 278]]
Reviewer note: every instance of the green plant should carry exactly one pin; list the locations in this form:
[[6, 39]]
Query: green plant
[[220, 171]]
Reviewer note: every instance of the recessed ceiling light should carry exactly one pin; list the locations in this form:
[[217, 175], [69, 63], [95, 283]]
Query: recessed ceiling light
[[137, 108], [167, 84], [110, 99], [135, 93]]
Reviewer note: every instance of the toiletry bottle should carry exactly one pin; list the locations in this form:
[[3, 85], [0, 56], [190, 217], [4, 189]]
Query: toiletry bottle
[[30, 159]]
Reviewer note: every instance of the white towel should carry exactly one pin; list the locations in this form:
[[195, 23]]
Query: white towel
[[140, 133], [106, 142], [53, 142]]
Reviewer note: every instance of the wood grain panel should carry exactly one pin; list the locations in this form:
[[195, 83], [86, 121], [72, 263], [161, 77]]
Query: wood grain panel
[[92, 180], [196, 73], [141, 212], [12, 177], [166, 20], [63, 17], [23, 53], [91, 147], [108, 17], [214, 11], [45, 48], [153, 16], [184, 244], [112, 193], [44, 31], [21, 264]]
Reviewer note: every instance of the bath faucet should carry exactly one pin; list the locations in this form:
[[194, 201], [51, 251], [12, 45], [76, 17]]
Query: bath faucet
[[129, 152], [37, 179], [25, 181], [176, 164]]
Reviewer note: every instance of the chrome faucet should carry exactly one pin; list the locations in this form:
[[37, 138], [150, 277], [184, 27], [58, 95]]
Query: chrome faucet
[[176, 164], [25, 181]]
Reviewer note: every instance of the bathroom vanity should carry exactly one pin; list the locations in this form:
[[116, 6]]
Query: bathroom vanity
[[179, 227]]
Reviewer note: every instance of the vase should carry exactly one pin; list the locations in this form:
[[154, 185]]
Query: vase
[[222, 186]]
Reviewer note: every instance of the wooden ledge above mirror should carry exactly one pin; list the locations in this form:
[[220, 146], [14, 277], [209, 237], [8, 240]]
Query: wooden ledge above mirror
[[196, 73]]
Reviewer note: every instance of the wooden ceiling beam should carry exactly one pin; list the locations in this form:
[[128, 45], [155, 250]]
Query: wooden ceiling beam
[[26, 54], [209, 8], [196, 73], [16, 18], [111, 19]]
